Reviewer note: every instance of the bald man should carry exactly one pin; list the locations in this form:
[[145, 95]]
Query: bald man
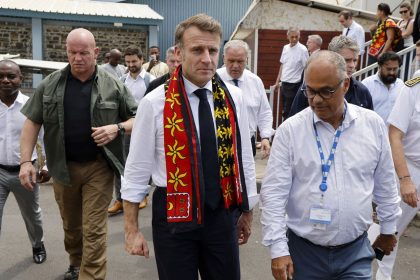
[[85, 113], [113, 65]]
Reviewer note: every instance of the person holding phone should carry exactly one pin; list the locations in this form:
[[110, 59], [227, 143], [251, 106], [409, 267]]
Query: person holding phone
[[155, 67]]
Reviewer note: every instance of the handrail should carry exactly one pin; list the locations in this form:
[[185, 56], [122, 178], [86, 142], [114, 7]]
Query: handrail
[[407, 56]]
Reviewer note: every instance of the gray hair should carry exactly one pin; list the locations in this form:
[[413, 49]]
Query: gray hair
[[170, 50], [331, 57], [341, 42], [316, 39], [236, 44], [292, 29]]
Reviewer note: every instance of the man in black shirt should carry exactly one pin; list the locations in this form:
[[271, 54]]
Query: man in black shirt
[[357, 94]]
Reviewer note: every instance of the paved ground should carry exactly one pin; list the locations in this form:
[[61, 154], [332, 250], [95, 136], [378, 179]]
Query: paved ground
[[16, 255]]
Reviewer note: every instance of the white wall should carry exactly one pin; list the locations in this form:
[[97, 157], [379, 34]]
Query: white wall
[[282, 15]]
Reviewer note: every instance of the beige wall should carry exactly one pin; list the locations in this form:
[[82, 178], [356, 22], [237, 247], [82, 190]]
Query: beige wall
[[282, 15]]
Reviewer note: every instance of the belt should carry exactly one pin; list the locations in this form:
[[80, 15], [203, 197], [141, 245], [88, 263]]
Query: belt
[[334, 247], [12, 168]]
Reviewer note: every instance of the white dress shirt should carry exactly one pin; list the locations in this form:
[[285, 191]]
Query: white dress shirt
[[362, 170], [293, 60], [11, 123], [137, 86], [357, 33], [147, 153], [406, 117], [383, 99], [118, 71], [258, 107]]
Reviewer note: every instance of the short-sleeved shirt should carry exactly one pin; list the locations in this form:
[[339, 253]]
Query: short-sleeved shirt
[[405, 116], [110, 103], [158, 70], [293, 60]]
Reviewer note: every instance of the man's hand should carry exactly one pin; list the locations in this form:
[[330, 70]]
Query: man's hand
[[136, 244], [27, 175], [244, 227], [409, 192], [282, 268], [265, 148], [152, 63], [385, 242], [43, 176], [104, 134]]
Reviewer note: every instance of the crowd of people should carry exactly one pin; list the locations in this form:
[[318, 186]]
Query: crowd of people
[[190, 129]]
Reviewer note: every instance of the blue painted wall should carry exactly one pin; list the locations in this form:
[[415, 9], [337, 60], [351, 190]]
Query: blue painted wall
[[227, 12]]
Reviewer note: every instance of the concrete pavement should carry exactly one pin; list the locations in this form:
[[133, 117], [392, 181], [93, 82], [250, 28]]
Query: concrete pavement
[[16, 253]]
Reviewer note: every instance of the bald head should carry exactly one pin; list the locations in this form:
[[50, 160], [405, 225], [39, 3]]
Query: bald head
[[115, 57], [81, 53], [81, 35]]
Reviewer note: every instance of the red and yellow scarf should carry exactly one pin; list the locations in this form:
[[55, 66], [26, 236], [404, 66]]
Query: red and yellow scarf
[[185, 184]]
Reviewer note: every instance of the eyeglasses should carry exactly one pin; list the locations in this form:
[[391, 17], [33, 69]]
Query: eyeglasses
[[325, 93], [403, 11]]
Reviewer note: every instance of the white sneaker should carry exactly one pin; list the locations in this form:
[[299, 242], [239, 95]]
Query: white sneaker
[[380, 276]]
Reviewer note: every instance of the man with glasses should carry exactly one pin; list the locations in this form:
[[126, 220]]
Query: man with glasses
[[385, 85], [357, 93], [316, 197]]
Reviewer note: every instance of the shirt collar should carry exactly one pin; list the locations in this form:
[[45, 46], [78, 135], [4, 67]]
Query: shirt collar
[[229, 77], [141, 75], [378, 79], [351, 114], [190, 87]]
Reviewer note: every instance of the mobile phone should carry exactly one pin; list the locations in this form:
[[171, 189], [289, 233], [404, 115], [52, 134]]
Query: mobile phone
[[379, 254]]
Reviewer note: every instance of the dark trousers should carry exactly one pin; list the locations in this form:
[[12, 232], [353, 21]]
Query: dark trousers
[[349, 262], [211, 250], [288, 93], [254, 147]]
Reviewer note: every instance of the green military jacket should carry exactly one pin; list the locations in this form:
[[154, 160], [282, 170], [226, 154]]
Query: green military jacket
[[111, 103]]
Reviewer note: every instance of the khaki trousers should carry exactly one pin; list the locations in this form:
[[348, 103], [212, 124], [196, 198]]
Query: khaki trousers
[[83, 208]]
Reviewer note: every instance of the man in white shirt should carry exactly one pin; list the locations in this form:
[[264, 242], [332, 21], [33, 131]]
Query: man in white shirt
[[352, 29], [136, 80], [385, 86], [113, 66], [155, 67], [404, 135], [11, 123], [314, 43], [235, 55], [321, 192], [292, 62], [174, 140]]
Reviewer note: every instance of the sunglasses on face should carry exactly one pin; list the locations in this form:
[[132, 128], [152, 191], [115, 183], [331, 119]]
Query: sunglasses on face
[[325, 93], [403, 12]]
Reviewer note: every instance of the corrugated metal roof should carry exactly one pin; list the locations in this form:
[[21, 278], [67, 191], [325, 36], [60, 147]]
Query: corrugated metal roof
[[83, 7]]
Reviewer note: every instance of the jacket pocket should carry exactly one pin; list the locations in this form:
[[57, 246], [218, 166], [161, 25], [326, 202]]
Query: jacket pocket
[[50, 112], [107, 105]]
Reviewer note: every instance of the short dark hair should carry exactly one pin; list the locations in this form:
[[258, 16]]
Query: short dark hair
[[383, 7], [154, 47], [345, 14], [133, 50], [389, 56]]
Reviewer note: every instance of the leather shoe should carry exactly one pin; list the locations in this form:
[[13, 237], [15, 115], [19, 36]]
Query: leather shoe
[[116, 208], [39, 254], [72, 273], [143, 204]]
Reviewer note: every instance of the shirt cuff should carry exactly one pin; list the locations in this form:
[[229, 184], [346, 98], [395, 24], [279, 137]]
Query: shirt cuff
[[279, 249], [133, 192], [388, 227], [253, 200]]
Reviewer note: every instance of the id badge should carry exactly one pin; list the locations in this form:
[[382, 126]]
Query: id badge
[[320, 217]]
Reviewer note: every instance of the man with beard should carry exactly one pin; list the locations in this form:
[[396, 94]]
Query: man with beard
[[357, 94], [384, 86], [136, 80], [155, 67]]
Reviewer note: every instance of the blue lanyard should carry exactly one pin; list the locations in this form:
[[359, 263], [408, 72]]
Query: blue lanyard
[[326, 166]]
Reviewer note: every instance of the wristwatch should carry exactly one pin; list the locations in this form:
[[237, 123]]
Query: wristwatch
[[121, 129]]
